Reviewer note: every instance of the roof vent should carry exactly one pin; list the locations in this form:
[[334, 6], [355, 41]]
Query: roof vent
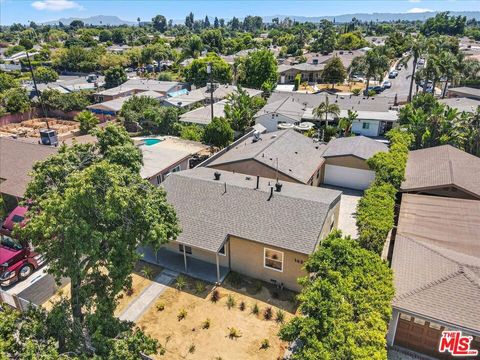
[[217, 175], [278, 187]]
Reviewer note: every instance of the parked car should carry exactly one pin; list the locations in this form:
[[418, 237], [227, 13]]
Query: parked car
[[357, 78], [17, 216], [378, 89], [393, 74], [421, 62], [387, 84], [17, 261]]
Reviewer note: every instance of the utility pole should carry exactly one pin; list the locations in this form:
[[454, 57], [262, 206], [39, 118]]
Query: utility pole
[[39, 96], [209, 72]]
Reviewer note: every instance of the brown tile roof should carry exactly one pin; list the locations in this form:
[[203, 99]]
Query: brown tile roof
[[17, 158], [436, 259], [442, 166]]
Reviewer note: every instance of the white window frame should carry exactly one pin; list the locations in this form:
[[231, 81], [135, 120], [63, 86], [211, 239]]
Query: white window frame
[[176, 169], [265, 257]]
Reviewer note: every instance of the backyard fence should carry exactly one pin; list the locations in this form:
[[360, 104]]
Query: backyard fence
[[15, 301]]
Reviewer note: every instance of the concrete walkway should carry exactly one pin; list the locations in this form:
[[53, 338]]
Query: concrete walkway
[[138, 306]]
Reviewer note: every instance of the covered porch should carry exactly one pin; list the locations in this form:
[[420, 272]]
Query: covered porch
[[186, 264]]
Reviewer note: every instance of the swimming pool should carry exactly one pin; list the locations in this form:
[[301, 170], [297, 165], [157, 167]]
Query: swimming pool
[[149, 142]]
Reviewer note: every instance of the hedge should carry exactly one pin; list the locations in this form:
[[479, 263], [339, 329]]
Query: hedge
[[375, 210]]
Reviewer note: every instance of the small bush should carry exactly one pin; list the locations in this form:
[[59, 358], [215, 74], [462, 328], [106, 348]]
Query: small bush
[[206, 324], [280, 316], [160, 306], [265, 344], [147, 272], [267, 313], [129, 291], [182, 314], [242, 306], [257, 287], [255, 309], [215, 296], [230, 301], [181, 282], [191, 349], [234, 333], [199, 287], [356, 92], [235, 279]]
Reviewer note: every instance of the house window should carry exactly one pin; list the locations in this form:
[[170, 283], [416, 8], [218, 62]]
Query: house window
[[273, 259], [365, 126], [435, 326], [159, 179], [188, 249], [222, 251], [176, 168], [419, 321]]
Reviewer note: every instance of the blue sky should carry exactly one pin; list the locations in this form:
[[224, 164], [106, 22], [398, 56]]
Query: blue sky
[[44, 10]]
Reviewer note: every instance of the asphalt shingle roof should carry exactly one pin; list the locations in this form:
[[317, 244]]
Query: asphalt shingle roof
[[358, 146], [436, 259], [210, 210], [442, 166], [298, 156]]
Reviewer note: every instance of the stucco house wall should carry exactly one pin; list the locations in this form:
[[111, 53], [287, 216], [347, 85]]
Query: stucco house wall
[[270, 121], [366, 127]]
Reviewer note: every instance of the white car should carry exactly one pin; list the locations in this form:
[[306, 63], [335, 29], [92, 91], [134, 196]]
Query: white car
[[357, 78], [387, 84]]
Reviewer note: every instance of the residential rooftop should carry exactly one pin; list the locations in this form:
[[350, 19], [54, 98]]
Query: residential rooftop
[[466, 91], [210, 210], [115, 105], [202, 115], [142, 84], [358, 146], [461, 104]]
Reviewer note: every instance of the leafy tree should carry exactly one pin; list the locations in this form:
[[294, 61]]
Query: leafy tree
[[216, 23], [14, 49], [87, 121], [350, 41], [26, 43], [159, 23], [76, 58], [77, 24], [258, 69], [325, 42], [45, 75], [373, 64], [189, 20], [442, 23], [15, 100], [218, 133], [196, 72], [345, 123], [75, 101], [118, 36], [240, 109], [206, 22], [191, 132], [345, 304], [115, 76], [193, 46], [334, 71], [105, 35], [7, 82], [213, 39]]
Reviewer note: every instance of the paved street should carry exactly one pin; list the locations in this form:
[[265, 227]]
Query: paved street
[[401, 84]]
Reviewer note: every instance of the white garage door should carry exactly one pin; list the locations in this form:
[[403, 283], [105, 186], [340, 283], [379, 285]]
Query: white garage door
[[348, 177]]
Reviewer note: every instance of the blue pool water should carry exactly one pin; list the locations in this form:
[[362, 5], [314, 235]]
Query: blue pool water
[[150, 142]]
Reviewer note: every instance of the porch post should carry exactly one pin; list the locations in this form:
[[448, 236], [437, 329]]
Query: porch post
[[392, 329], [218, 267], [185, 257]]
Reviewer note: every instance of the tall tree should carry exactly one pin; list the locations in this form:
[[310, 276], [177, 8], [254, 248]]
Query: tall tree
[[324, 109], [216, 23], [218, 133], [206, 22], [196, 72], [241, 109], [334, 72], [193, 47], [160, 23], [258, 70], [417, 49], [115, 76]]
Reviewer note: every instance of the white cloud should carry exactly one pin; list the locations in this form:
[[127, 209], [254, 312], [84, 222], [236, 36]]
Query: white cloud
[[414, 1], [56, 5], [418, 10]]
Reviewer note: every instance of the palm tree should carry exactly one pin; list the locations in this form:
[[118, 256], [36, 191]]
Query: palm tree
[[448, 65], [375, 65], [416, 52], [324, 109], [345, 123]]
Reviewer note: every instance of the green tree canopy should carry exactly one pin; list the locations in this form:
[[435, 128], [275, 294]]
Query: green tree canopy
[[218, 133], [87, 121], [258, 70], [45, 75], [334, 71], [196, 72], [15, 100], [241, 109], [115, 76]]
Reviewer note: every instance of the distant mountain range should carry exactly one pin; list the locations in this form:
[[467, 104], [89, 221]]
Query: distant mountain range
[[115, 20]]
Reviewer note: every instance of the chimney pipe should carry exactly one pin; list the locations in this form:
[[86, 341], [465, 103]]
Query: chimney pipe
[[217, 175], [278, 187], [271, 193], [258, 182]]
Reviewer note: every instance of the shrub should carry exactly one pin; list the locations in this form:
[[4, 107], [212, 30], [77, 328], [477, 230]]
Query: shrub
[[265, 344], [267, 313], [242, 306], [234, 333], [255, 309], [129, 291], [298, 80], [182, 314], [230, 301], [199, 287], [356, 92], [191, 349], [280, 316], [147, 272], [235, 279], [181, 282], [215, 296], [257, 287], [160, 306], [206, 324]]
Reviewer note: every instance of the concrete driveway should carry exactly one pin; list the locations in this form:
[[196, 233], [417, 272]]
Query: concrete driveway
[[348, 208]]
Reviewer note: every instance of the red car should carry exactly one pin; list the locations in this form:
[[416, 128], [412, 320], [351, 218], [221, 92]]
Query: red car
[[17, 260]]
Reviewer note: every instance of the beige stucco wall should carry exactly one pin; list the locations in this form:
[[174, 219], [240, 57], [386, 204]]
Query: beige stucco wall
[[348, 161]]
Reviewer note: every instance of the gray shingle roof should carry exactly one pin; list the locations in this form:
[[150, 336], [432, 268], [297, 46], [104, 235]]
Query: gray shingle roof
[[203, 115], [436, 259], [358, 146], [298, 156], [461, 104], [442, 166], [291, 219], [142, 84], [466, 91]]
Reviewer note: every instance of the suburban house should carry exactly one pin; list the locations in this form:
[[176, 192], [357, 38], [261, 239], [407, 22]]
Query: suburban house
[[436, 267], [346, 162], [135, 86], [166, 155], [285, 155], [251, 225], [67, 84], [462, 104], [442, 171], [17, 158], [464, 91], [375, 115], [202, 96], [203, 115], [113, 107]]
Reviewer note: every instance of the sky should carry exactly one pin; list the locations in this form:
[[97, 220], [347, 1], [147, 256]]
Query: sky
[[23, 11]]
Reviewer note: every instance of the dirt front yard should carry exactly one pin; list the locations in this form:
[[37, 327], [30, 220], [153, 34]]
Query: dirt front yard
[[189, 325]]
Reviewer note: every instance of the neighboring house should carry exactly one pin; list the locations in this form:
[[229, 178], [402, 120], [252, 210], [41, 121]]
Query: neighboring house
[[233, 222], [436, 267], [442, 171], [203, 115], [17, 158], [285, 155], [135, 86], [168, 155], [202, 96], [118, 49], [462, 104], [375, 115], [346, 162], [113, 107], [468, 92], [68, 84]]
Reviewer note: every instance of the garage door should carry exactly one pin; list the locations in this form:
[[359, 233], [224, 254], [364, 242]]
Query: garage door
[[348, 177]]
